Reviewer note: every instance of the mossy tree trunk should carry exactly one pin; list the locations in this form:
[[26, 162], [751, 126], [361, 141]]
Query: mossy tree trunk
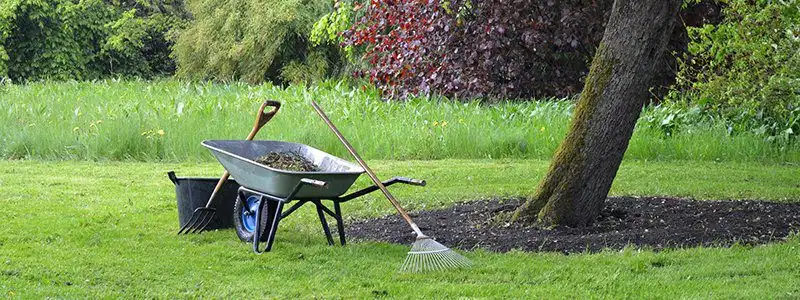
[[585, 164]]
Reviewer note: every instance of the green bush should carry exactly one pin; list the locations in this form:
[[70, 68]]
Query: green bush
[[747, 68], [143, 35], [251, 40], [86, 39], [672, 119]]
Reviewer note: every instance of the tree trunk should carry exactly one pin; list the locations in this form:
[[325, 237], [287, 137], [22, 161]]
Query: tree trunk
[[586, 162]]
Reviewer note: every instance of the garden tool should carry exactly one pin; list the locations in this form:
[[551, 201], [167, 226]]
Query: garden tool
[[426, 254], [202, 216]]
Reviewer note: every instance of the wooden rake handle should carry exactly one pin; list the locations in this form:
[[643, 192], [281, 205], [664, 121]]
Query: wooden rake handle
[[363, 164]]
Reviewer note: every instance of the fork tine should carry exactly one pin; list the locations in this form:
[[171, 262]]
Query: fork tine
[[209, 216], [200, 222], [188, 225], [201, 218]]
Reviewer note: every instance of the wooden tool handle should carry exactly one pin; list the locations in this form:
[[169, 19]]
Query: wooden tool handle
[[261, 119], [363, 164]]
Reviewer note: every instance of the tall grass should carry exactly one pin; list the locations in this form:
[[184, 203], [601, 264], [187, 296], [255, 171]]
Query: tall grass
[[167, 120]]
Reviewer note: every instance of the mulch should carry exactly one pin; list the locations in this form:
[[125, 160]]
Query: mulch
[[647, 222], [289, 161]]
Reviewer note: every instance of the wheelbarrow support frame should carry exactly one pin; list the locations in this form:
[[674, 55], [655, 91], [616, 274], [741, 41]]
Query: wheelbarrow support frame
[[274, 206]]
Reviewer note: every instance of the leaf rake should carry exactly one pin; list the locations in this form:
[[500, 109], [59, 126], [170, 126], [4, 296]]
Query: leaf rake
[[426, 254]]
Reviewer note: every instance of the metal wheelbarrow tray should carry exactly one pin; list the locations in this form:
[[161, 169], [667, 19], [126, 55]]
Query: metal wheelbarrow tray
[[238, 157], [264, 190]]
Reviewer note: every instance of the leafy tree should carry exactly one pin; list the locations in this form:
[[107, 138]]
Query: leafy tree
[[249, 40], [88, 39]]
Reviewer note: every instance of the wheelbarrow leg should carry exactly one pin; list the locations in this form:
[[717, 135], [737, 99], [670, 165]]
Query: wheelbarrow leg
[[339, 222], [324, 222], [274, 210], [276, 218]]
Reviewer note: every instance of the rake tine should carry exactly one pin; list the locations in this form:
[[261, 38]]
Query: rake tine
[[428, 255], [449, 262], [441, 260], [404, 267], [409, 265], [434, 264], [452, 261], [427, 263], [463, 261], [417, 264]]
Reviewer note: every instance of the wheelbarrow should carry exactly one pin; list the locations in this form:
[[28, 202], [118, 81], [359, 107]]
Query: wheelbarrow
[[265, 190]]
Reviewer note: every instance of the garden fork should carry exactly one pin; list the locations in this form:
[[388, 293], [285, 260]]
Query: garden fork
[[202, 216]]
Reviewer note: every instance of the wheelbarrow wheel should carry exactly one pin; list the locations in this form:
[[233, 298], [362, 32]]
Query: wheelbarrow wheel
[[244, 219]]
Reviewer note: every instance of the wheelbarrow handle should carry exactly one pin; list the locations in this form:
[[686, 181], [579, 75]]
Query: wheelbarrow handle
[[314, 182], [263, 117]]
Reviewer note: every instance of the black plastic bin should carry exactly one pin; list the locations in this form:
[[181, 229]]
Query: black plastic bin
[[193, 192]]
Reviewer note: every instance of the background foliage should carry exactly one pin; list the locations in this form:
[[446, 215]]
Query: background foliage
[[478, 48], [738, 65], [252, 41], [88, 39], [166, 120], [490, 48], [747, 69]]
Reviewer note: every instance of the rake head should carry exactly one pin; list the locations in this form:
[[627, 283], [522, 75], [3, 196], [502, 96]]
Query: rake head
[[201, 217], [428, 255]]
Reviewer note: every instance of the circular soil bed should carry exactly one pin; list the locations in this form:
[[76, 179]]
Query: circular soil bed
[[651, 222]]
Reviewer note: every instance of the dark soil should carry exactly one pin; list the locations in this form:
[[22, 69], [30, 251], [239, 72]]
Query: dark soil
[[289, 161], [655, 223]]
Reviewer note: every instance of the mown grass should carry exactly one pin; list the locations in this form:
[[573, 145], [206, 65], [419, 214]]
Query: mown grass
[[83, 229], [166, 120]]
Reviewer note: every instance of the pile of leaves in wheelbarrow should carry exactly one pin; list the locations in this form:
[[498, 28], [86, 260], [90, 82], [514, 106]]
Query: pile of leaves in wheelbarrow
[[289, 161]]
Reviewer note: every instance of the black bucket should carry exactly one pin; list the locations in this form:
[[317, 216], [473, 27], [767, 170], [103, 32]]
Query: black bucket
[[192, 193]]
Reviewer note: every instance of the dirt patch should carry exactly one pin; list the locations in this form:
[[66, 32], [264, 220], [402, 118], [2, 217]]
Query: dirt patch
[[290, 161], [650, 222]]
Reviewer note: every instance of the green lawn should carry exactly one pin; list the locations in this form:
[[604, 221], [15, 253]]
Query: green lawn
[[82, 229]]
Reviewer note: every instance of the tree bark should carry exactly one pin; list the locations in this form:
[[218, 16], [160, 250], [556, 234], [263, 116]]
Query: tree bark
[[585, 164]]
